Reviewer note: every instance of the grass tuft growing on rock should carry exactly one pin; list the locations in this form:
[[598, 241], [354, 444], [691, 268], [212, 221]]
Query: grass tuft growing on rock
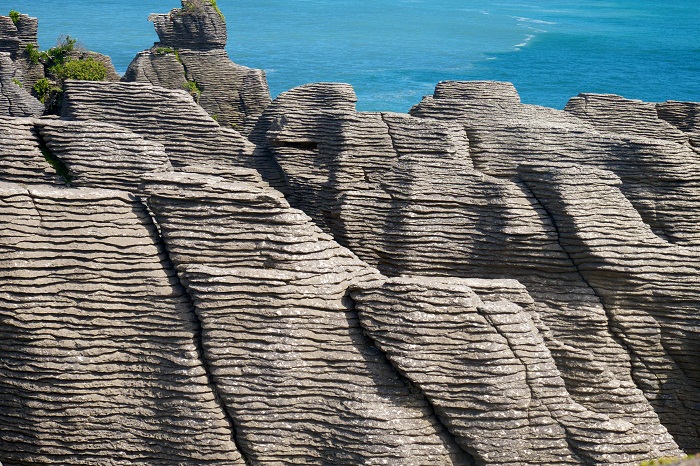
[[14, 16]]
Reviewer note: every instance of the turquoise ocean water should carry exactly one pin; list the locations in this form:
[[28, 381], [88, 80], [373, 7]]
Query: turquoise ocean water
[[394, 51]]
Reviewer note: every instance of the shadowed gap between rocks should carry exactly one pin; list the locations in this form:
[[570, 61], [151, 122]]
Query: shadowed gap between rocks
[[618, 336], [367, 341], [160, 243]]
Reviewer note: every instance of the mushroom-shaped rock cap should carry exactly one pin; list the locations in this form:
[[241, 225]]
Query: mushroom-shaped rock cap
[[197, 25]]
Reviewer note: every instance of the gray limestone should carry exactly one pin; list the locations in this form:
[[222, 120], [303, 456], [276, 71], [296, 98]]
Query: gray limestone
[[100, 361], [191, 49]]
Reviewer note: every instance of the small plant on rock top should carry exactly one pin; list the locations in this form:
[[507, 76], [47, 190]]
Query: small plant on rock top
[[14, 16], [45, 88], [33, 53], [83, 70]]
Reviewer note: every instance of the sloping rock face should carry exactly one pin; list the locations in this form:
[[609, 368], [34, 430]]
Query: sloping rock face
[[648, 286], [191, 50], [21, 153], [301, 381], [685, 116], [100, 363], [404, 194], [444, 325], [101, 155], [170, 117], [660, 178], [15, 101]]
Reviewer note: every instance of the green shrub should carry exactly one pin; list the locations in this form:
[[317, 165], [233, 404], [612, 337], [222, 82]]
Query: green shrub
[[17, 82], [58, 54], [44, 88], [33, 53], [196, 7], [193, 88], [83, 70], [14, 16]]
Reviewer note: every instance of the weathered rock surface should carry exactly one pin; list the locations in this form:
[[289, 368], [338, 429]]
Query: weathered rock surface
[[647, 286], [167, 116], [424, 209], [14, 99], [20, 153], [477, 360], [191, 50], [101, 155], [100, 360], [300, 380], [660, 178], [683, 115]]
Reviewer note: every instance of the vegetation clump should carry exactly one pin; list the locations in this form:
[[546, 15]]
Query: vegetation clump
[[45, 88], [197, 7], [33, 53], [84, 70], [193, 88], [666, 461], [17, 82], [14, 16], [168, 50], [60, 66]]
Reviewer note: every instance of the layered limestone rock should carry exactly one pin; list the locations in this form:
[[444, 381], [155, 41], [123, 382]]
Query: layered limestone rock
[[683, 115], [167, 116], [660, 177], [100, 361], [101, 155], [609, 112], [299, 378], [403, 194], [475, 360], [21, 153], [190, 54], [648, 286], [14, 99]]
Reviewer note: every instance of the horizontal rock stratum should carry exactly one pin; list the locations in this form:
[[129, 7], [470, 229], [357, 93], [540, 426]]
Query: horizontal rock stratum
[[478, 282]]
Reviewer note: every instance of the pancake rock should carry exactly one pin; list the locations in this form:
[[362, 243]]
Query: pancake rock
[[21, 153], [659, 177], [683, 115], [14, 99], [476, 359], [403, 194], [299, 378], [101, 155], [100, 357], [190, 54], [15, 37], [648, 286], [170, 117]]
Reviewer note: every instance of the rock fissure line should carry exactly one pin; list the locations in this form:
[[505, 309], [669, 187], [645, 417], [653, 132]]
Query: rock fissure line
[[198, 334], [528, 381], [407, 380], [616, 334]]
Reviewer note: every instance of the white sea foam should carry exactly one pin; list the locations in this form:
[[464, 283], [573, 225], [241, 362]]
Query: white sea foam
[[524, 43], [523, 19]]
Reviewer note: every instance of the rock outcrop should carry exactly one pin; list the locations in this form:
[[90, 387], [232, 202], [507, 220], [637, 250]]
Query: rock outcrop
[[190, 54], [15, 101], [301, 381], [100, 360], [404, 195]]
